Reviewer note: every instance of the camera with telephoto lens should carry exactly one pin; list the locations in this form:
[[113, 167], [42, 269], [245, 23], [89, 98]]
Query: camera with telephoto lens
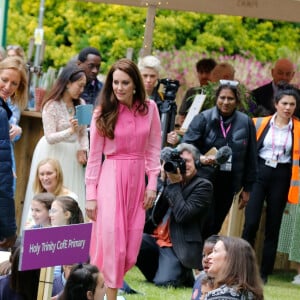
[[175, 161], [170, 88]]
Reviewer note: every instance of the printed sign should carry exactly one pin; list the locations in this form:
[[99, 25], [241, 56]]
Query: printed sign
[[38, 36], [193, 111], [53, 246]]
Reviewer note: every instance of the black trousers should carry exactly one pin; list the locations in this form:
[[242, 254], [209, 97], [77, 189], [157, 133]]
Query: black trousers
[[222, 200], [160, 264], [272, 186]]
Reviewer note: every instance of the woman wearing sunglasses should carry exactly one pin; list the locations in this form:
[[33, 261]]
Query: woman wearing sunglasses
[[223, 125]]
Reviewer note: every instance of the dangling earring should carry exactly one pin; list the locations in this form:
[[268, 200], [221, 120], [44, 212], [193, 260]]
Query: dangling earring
[[134, 92]]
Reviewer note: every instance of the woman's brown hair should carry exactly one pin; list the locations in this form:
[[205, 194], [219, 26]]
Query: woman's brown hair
[[240, 269], [70, 73], [107, 119]]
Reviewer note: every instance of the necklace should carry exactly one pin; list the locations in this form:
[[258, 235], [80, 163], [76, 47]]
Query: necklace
[[70, 110]]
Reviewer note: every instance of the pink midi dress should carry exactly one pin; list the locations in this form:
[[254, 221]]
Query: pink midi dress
[[118, 185]]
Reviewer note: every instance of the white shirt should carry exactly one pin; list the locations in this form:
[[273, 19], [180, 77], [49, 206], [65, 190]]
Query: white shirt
[[277, 144]]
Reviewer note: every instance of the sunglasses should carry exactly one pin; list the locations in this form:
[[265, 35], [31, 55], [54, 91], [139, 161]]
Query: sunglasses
[[12, 47], [232, 83]]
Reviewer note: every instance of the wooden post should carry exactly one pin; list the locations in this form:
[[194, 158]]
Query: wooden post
[[149, 28], [31, 124], [45, 284]]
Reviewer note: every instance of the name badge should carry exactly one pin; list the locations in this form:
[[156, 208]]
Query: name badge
[[271, 163]]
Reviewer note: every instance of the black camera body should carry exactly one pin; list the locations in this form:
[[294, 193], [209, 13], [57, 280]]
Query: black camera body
[[175, 161], [170, 88]]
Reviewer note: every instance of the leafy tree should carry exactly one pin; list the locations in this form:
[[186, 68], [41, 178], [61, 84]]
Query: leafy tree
[[71, 25]]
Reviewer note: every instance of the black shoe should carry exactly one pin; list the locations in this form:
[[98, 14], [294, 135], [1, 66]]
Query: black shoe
[[126, 289]]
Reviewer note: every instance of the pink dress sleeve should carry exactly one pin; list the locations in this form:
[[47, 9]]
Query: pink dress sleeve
[[94, 164], [152, 155]]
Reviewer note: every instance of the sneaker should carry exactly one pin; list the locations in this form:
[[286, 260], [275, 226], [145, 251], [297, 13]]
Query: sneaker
[[296, 279]]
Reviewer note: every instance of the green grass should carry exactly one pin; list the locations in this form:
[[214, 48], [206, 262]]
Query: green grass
[[278, 288]]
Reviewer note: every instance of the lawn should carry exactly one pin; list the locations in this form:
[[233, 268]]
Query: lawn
[[278, 288]]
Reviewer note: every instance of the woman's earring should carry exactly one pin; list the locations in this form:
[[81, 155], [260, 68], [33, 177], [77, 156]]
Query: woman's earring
[[134, 92]]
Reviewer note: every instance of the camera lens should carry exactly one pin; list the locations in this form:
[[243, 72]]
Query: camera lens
[[170, 167]]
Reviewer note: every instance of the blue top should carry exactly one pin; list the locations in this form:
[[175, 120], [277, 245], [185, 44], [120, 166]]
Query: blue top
[[6, 293]]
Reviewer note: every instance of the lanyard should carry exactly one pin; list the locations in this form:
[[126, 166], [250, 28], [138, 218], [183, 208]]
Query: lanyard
[[224, 131], [283, 146]]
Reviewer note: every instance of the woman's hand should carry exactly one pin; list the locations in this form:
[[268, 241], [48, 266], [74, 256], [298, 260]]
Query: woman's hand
[[207, 159], [8, 242], [243, 200], [91, 209], [172, 138], [82, 157], [74, 125], [14, 131], [149, 198]]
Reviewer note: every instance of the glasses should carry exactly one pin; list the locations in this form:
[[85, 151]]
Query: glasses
[[232, 83], [53, 211]]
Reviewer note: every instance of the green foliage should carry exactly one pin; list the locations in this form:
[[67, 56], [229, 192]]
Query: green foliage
[[71, 25], [247, 104]]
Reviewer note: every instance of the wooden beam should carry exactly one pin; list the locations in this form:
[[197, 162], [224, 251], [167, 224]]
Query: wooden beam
[[287, 10], [149, 28]]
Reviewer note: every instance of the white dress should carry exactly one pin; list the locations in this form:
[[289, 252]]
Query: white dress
[[59, 143]]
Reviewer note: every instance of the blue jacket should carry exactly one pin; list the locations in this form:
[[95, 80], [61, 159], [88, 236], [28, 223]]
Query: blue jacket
[[7, 205], [6, 293], [91, 91]]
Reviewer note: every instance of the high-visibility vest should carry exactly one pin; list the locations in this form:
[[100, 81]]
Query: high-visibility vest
[[260, 125]]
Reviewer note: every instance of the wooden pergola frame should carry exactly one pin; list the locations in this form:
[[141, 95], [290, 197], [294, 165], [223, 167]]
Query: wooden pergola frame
[[284, 10]]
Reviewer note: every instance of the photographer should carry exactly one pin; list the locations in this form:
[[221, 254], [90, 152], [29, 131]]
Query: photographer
[[173, 243]]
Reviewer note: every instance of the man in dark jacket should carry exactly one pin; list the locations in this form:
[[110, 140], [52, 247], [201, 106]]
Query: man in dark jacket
[[7, 204], [174, 246], [89, 59], [283, 71]]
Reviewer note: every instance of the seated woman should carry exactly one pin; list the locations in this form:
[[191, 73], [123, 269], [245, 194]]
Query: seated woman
[[48, 178], [234, 269]]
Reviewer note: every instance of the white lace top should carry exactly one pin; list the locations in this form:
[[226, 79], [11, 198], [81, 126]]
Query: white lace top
[[56, 125]]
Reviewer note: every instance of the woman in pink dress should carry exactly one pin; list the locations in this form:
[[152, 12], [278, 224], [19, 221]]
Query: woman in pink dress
[[126, 129]]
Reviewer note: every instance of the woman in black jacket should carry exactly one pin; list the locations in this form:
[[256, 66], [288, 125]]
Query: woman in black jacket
[[13, 83], [224, 125]]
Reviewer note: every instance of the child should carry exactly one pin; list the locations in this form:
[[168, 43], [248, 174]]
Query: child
[[207, 285], [40, 206], [207, 250]]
